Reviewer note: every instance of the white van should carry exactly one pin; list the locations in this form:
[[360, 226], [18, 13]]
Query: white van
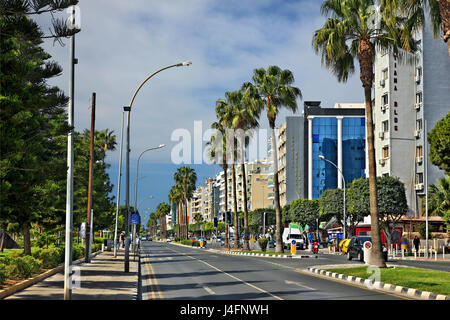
[[292, 232]]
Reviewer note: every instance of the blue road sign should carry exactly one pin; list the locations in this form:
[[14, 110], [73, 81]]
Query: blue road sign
[[134, 218]]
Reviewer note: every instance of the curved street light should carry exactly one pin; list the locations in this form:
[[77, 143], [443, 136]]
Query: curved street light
[[127, 159], [137, 172], [343, 179]]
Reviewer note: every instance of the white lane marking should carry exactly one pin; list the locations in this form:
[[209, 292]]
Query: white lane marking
[[208, 290], [230, 275], [299, 284]]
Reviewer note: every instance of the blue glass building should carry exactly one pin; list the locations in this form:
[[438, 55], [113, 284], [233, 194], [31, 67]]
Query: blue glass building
[[339, 135]]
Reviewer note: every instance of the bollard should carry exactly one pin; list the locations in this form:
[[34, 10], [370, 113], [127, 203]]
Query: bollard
[[435, 255], [415, 255]]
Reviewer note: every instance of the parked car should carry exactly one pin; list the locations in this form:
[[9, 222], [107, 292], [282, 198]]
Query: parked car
[[169, 239], [144, 238], [355, 248]]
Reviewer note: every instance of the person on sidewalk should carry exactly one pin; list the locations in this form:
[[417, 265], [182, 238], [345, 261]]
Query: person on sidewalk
[[416, 243]]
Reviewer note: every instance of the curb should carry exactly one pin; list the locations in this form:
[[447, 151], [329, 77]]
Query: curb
[[372, 284], [29, 282], [266, 255]]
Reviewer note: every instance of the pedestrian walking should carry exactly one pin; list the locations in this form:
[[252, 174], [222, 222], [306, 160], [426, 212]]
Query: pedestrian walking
[[416, 243]]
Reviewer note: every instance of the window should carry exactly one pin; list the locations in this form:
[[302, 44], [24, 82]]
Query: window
[[385, 152], [419, 151], [384, 74], [385, 126], [419, 124], [419, 97], [385, 99], [419, 177], [419, 72]]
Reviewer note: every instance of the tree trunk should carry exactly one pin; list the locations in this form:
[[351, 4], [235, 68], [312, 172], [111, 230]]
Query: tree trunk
[[278, 230], [366, 58], [2, 241], [26, 240], [225, 169], [246, 245], [236, 217], [376, 257], [444, 8]]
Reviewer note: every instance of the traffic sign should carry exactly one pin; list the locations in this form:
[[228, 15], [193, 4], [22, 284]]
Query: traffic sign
[[293, 242], [368, 245], [134, 218]]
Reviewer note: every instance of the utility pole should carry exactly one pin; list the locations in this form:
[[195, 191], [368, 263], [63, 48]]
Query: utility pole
[[70, 162], [91, 171]]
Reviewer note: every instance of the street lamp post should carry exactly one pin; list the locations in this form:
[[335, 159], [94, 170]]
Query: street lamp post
[[118, 191], [343, 179], [127, 159], [137, 172]]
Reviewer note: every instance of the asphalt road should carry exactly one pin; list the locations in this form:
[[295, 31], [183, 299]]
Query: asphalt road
[[176, 272]]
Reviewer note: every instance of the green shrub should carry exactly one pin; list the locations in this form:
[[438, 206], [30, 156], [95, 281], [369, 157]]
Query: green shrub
[[263, 243], [195, 243], [23, 267], [3, 273], [99, 240], [50, 258], [77, 251]]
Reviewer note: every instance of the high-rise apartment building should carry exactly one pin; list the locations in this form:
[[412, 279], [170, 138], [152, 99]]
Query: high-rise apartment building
[[410, 93]]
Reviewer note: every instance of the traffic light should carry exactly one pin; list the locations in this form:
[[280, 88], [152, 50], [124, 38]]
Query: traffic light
[[215, 222], [228, 219]]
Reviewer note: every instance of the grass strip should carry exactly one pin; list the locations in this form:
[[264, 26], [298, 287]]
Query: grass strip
[[416, 278]]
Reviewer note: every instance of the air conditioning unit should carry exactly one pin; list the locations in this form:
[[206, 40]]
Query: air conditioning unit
[[381, 135], [419, 186], [382, 82], [417, 105], [417, 133], [382, 161], [419, 159]]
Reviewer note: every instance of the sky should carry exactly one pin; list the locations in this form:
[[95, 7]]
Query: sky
[[122, 42]]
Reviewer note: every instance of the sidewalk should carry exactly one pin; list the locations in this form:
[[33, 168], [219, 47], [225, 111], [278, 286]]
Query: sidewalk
[[102, 279]]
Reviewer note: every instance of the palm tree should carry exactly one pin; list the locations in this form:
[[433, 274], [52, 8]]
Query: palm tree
[[245, 115], [162, 210], [186, 178], [176, 196], [218, 147], [351, 32], [225, 113], [439, 197], [274, 87], [415, 11]]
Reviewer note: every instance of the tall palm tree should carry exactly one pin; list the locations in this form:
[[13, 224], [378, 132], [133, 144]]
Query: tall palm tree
[[274, 88], [218, 149], [176, 196], [351, 32], [225, 112], [245, 115], [186, 178], [415, 11], [162, 210]]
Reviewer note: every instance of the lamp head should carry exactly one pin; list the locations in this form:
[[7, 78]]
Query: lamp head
[[161, 145], [322, 157], [186, 63]]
